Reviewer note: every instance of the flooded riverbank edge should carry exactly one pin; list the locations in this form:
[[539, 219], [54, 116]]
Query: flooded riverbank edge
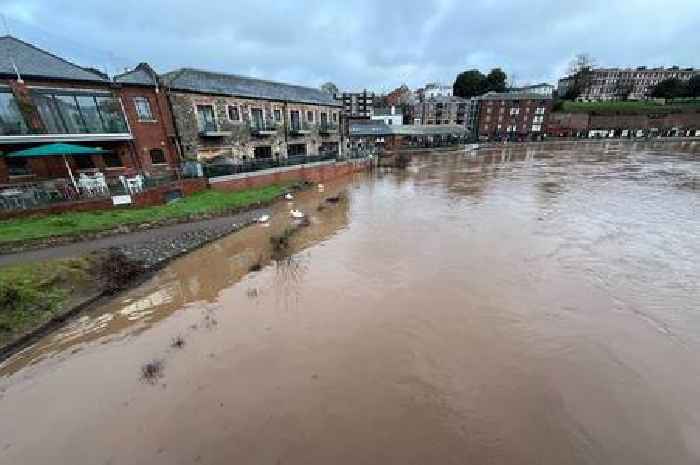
[[136, 264]]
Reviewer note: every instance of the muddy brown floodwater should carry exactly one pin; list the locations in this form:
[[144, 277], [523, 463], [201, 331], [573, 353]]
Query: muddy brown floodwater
[[526, 305]]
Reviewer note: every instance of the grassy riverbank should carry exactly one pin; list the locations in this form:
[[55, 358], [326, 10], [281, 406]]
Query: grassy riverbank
[[31, 295], [632, 107], [68, 224]]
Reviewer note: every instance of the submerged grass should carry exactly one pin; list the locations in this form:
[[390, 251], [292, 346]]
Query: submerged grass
[[32, 294], [67, 224]]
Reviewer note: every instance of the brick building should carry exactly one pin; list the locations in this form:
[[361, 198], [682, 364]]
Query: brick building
[[148, 113], [513, 116], [357, 104], [242, 118], [46, 99]]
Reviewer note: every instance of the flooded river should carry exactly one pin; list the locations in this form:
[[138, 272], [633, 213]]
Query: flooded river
[[526, 305]]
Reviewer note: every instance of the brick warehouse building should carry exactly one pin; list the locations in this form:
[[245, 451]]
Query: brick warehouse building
[[242, 118], [46, 99], [513, 116], [148, 112]]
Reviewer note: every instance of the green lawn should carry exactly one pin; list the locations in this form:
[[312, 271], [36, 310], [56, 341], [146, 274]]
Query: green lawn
[[31, 295], [629, 107], [64, 224]]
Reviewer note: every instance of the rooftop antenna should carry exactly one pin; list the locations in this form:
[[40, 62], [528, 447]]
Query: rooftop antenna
[[12, 60]]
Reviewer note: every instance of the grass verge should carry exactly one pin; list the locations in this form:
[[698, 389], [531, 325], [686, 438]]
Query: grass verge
[[67, 224], [32, 294]]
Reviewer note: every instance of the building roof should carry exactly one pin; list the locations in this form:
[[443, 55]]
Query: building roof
[[208, 82], [514, 96], [446, 99], [142, 75], [35, 62]]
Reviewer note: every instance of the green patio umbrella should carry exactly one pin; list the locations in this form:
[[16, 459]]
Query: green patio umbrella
[[49, 150]]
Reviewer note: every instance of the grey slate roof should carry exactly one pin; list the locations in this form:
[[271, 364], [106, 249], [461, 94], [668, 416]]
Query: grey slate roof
[[142, 75], [208, 82], [35, 62]]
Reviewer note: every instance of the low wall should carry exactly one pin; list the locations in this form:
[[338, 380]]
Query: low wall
[[314, 172], [150, 197]]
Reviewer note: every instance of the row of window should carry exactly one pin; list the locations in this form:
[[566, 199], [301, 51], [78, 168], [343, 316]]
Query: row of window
[[514, 128], [206, 118]]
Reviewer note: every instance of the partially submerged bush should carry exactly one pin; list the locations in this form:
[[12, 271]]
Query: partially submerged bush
[[116, 270]]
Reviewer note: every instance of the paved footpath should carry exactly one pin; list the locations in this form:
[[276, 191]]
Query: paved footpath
[[145, 244]]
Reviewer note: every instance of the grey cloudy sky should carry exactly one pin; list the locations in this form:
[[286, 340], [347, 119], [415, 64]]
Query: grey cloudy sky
[[377, 44]]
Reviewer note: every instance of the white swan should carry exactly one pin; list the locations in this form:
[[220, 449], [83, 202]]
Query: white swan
[[264, 219], [296, 214], [289, 196]]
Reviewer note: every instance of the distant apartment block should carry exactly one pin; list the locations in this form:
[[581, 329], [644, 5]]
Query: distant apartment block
[[435, 89], [616, 83], [390, 116], [446, 110], [539, 89], [513, 116], [357, 104]]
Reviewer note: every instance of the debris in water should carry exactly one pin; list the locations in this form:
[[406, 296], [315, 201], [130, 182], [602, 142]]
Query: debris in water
[[334, 199], [289, 196], [152, 371], [252, 292], [257, 265], [178, 342], [296, 214]]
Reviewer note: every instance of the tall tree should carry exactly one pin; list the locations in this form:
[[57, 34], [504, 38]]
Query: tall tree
[[670, 88], [329, 88], [694, 86], [580, 74], [496, 80], [470, 84]]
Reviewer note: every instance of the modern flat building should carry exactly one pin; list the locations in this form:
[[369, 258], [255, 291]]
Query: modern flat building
[[435, 89], [357, 104], [513, 116], [442, 110], [390, 116], [628, 83], [243, 118], [540, 89], [46, 99]]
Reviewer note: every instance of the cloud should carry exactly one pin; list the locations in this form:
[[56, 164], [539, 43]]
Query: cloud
[[361, 43]]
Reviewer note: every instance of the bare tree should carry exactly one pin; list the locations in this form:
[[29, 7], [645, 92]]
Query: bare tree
[[581, 62], [581, 75]]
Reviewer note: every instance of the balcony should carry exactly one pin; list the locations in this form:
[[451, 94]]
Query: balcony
[[263, 128], [328, 129], [299, 129], [210, 129]]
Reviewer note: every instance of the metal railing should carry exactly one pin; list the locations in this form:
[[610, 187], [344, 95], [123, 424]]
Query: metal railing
[[261, 126], [249, 166], [296, 128]]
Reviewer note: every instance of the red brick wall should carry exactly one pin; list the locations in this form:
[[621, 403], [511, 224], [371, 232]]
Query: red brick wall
[[150, 134], [490, 128]]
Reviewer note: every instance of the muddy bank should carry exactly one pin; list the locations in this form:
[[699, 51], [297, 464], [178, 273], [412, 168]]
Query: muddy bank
[[116, 269]]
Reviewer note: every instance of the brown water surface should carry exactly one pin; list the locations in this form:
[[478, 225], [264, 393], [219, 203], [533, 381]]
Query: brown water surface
[[526, 305]]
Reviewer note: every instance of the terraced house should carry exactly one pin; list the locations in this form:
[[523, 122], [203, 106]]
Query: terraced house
[[241, 118]]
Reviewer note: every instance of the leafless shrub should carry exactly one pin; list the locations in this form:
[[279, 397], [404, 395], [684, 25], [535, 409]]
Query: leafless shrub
[[152, 371]]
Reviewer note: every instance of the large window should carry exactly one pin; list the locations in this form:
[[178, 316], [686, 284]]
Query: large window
[[296, 150], [234, 113], [143, 109], [263, 151], [205, 118], [295, 120], [158, 157], [18, 166], [11, 119], [71, 112]]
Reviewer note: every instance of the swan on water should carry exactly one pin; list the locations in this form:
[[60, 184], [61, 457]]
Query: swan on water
[[297, 214]]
